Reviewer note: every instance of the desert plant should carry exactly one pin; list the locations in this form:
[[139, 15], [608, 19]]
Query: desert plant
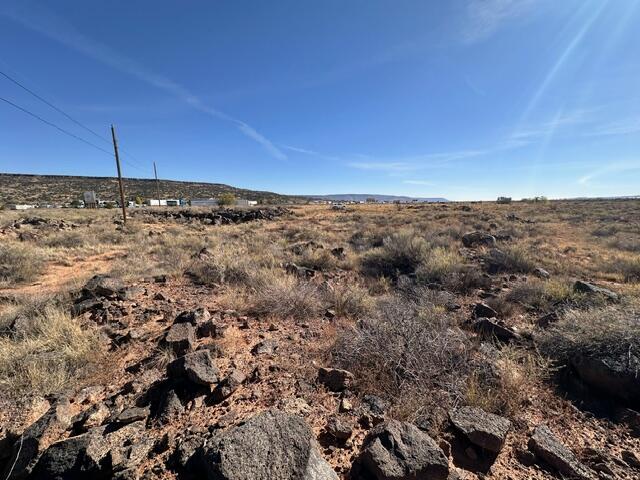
[[407, 350], [49, 356], [606, 331], [226, 199], [284, 296], [350, 301], [401, 253], [19, 263]]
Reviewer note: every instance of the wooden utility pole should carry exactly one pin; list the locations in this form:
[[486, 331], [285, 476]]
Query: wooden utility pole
[[155, 171], [115, 149]]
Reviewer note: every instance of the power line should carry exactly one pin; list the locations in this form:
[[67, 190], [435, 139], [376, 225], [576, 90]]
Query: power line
[[66, 132], [59, 110]]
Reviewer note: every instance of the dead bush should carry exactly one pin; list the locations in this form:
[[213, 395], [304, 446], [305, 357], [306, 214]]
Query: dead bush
[[20, 263], [407, 351], [628, 267]]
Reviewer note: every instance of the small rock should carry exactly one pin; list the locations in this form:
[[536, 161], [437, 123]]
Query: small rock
[[181, 338], [265, 347], [132, 414], [482, 310], [398, 450], [541, 273], [484, 429], [227, 386], [548, 448], [491, 329], [198, 367], [473, 239], [590, 288], [338, 428]]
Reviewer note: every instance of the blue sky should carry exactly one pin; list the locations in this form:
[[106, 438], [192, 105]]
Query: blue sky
[[466, 99]]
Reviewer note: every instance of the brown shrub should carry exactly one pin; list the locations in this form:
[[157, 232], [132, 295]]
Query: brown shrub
[[20, 263]]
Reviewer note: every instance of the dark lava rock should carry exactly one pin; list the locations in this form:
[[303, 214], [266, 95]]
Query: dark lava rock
[[198, 367], [265, 347], [486, 430], [170, 407], [194, 317], [271, 445], [473, 239], [549, 449], [338, 428], [132, 414], [590, 288], [181, 338], [335, 379], [612, 375], [227, 386], [400, 451], [482, 310], [491, 329], [104, 286]]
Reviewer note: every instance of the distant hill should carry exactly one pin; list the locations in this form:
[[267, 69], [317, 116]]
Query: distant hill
[[23, 188], [361, 197]]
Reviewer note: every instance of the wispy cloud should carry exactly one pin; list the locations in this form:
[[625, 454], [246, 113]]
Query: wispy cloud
[[313, 153], [49, 24], [385, 166], [419, 182], [588, 178], [485, 17]]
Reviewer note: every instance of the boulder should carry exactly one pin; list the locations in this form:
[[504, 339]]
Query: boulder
[[74, 458], [335, 379], [613, 375], [271, 445], [473, 239], [590, 288], [170, 407], [104, 286], [28, 447], [486, 430], [181, 338], [491, 329], [400, 451], [198, 367], [549, 449]]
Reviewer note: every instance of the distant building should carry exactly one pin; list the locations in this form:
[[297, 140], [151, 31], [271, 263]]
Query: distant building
[[90, 200], [154, 202], [241, 202], [504, 200], [173, 202], [21, 206], [204, 202]]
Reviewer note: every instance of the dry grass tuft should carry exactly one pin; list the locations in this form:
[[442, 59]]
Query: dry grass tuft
[[50, 356], [19, 263], [284, 296]]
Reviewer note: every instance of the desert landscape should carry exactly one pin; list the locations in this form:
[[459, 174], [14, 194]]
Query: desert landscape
[[406, 341]]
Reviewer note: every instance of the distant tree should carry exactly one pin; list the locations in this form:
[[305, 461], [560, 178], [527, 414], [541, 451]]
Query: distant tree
[[139, 200], [76, 203], [226, 199], [371, 200]]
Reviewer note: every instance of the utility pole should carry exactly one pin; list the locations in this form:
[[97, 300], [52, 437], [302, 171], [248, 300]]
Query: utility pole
[[155, 171], [115, 149]]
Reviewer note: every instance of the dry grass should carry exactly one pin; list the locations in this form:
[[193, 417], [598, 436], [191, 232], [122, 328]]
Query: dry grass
[[50, 356], [19, 263], [279, 295], [609, 331]]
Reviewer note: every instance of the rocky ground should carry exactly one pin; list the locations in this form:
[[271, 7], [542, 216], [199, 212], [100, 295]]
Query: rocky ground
[[187, 387]]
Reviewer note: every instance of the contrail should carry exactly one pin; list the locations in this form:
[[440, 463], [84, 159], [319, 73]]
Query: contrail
[[47, 23]]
